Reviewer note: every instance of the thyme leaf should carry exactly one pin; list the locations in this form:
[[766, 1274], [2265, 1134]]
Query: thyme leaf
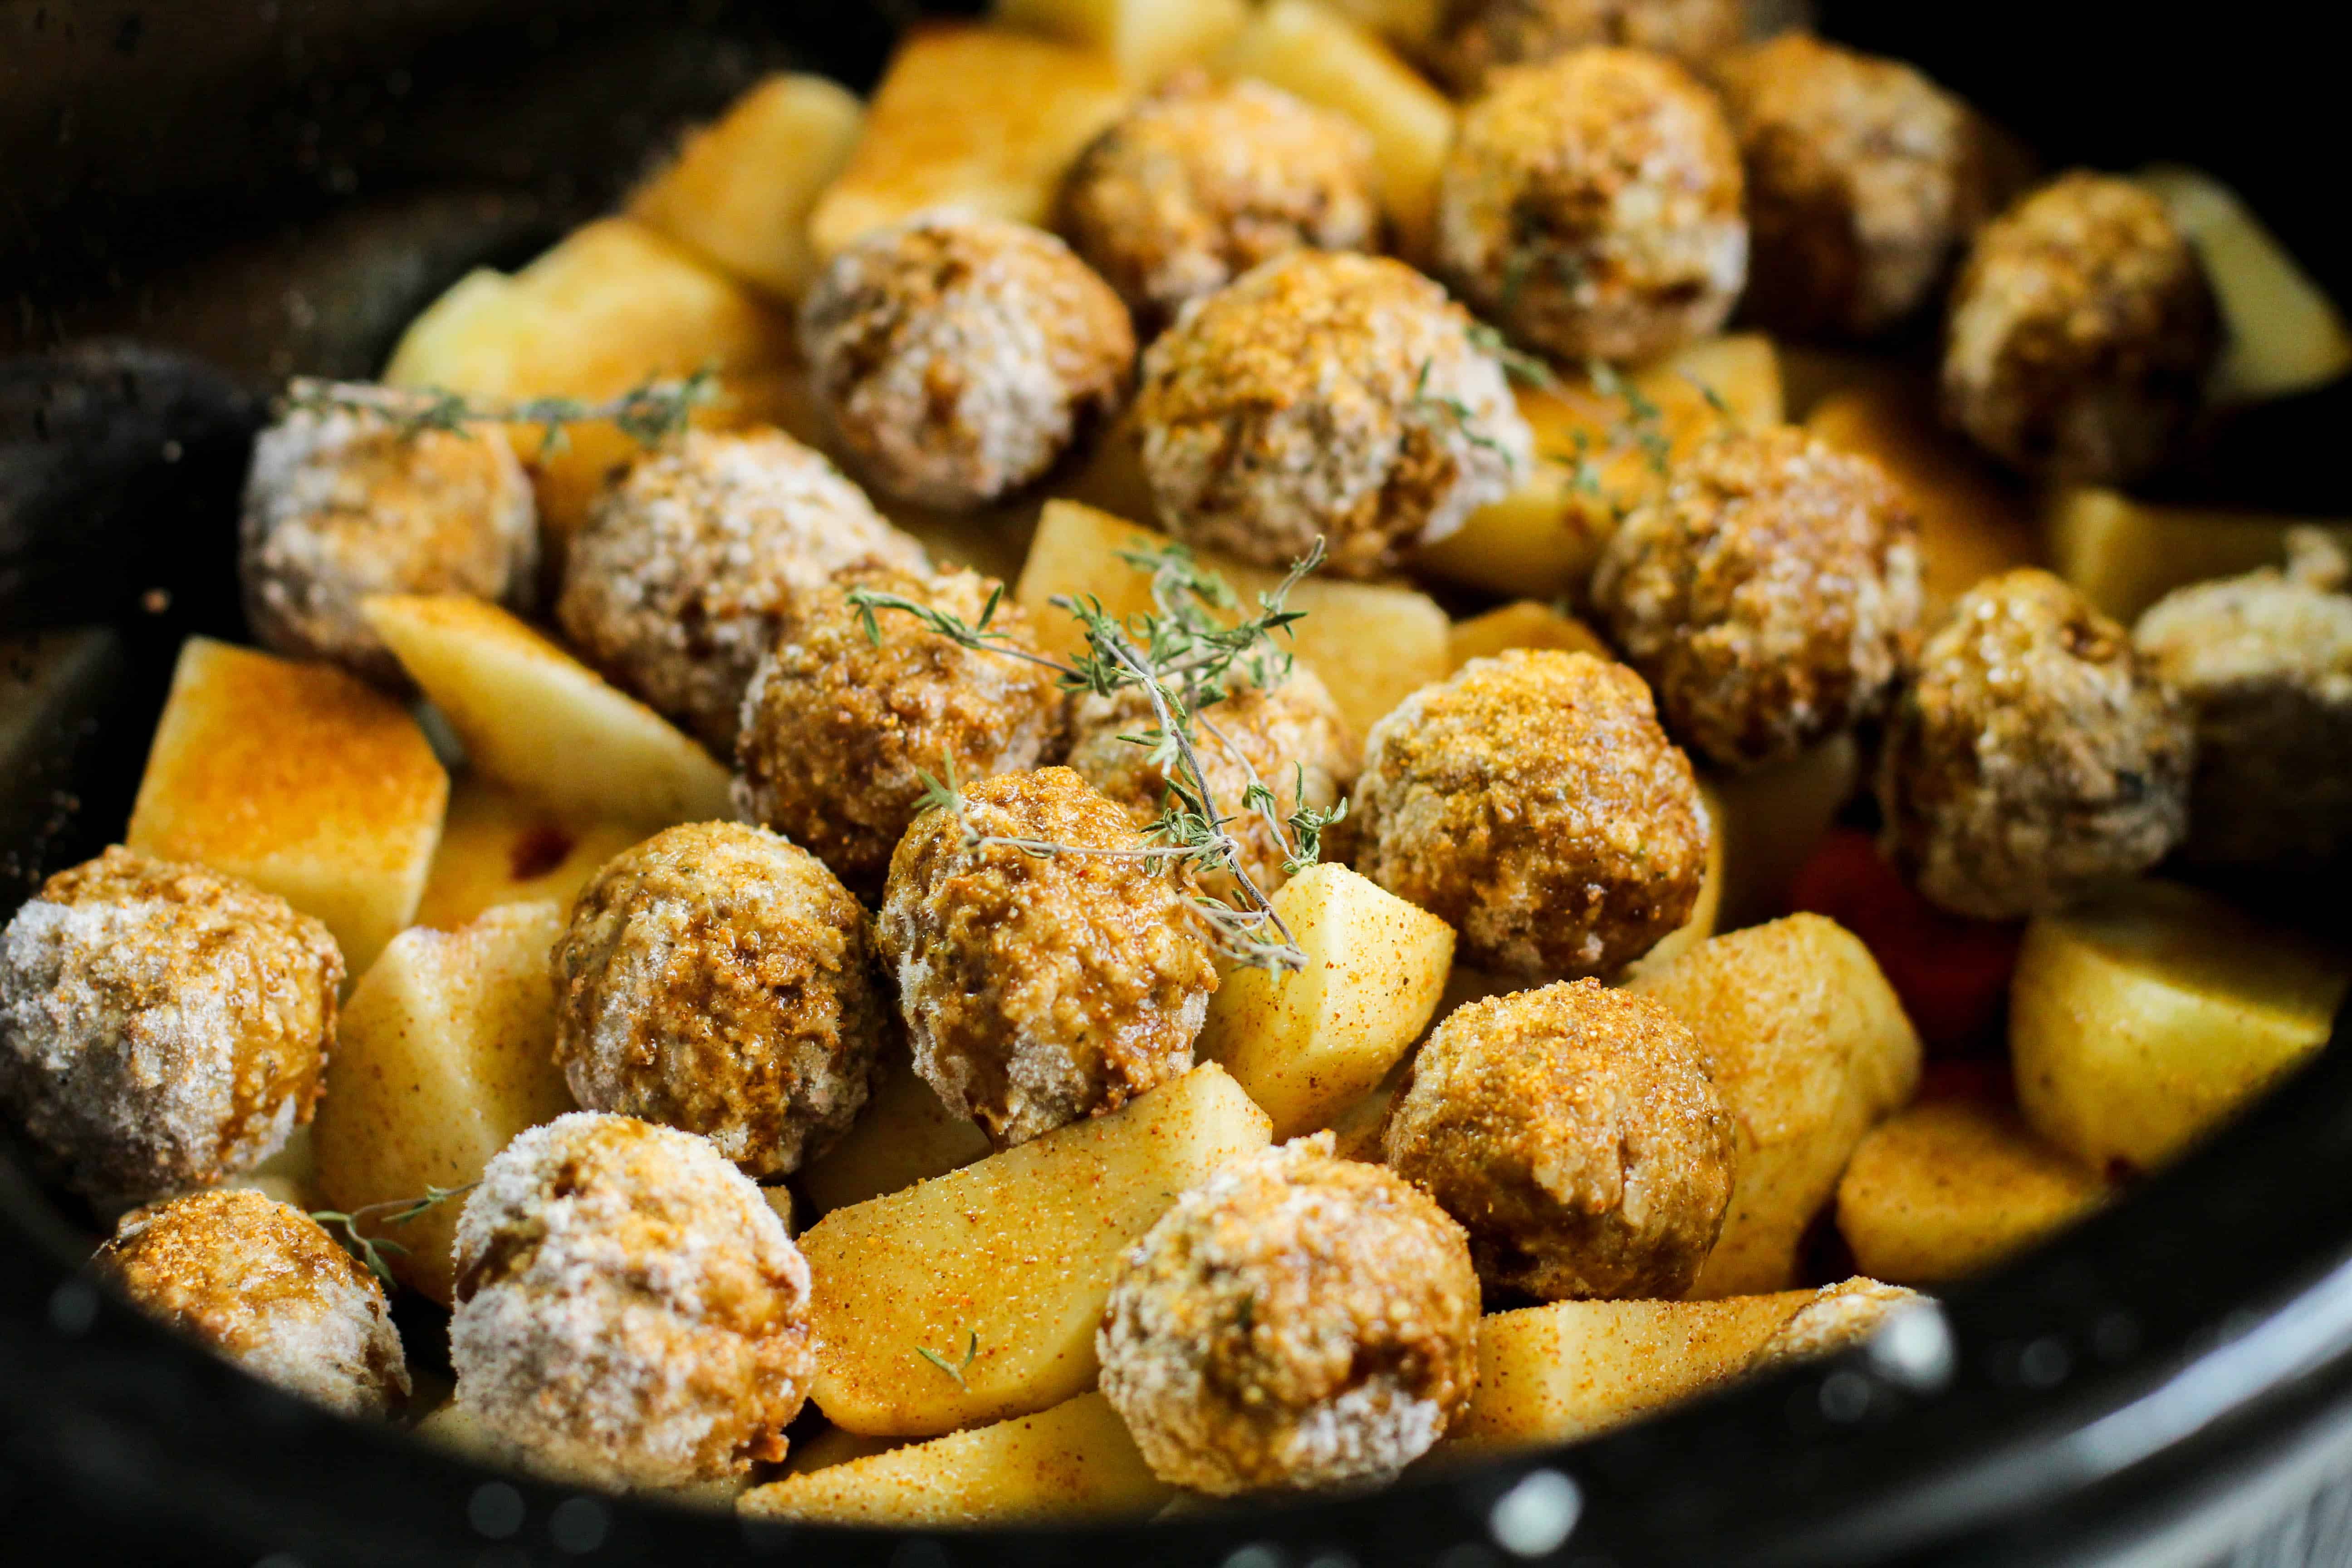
[[971, 1355], [371, 1249], [648, 413]]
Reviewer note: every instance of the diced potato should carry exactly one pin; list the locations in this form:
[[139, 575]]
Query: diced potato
[[1001, 1270], [535, 717], [445, 1053], [1146, 38], [478, 337], [299, 778], [1769, 821], [2125, 554], [1525, 624], [1810, 1050], [498, 848], [2139, 1022], [1706, 915], [903, 1136]]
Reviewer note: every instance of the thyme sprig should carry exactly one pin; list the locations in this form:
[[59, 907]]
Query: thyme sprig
[[649, 414], [1645, 422], [971, 1355], [1464, 417], [371, 1249], [1517, 363]]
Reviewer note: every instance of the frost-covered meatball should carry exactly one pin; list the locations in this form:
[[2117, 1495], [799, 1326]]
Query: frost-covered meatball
[[630, 1312], [720, 980], [1477, 37], [839, 728], [161, 1025], [1771, 596], [2035, 755], [1839, 1316], [1592, 207], [676, 586], [2081, 333], [957, 357], [1576, 1135], [341, 504], [1533, 803], [258, 1282], [1326, 395], [1038, 990], [1298, 1323]]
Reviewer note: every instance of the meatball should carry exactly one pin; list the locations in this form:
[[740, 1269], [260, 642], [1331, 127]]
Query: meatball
[[958, 357], [720, 980], [630, 1312], [1592, 207], [2035, 756], [1477, 37], [1326, 395], [1771, 596], [161, 1025], [259, 1283], [1576, 1135], [1839, 1316], [1299, 1323], [839, 728], [2081, 333], [677, 585], [1039, 989], [1533, 803]]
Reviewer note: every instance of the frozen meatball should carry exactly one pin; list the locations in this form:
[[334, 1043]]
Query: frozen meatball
[[630, 1312], [161, 1025], [1040, 989], [839, 727], [2081, 333], [1771, 596], [1477, 37], [1533, 803], [1575, 1133], [959, 357], [676, 586], [1299, 1323], [258, 1282], [1591, 207], [1839, 1316], [1328, 395], [2036, 755], [720, 980], [342, 504]]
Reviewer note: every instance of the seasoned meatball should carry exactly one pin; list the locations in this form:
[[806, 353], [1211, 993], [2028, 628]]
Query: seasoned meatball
[[259, 1283], [1299, 1323], [1771, 596], [1328, 395], [1592, 207], [1533, 803], [1041, 989], [2035, 756], [720, 980], [2081, 333], [1201, 182], [678, 584], [839, 728], [958, 357], [161, 1025], [630, 1312], [1576, 1135], [1839, 1316], [1476, 38]]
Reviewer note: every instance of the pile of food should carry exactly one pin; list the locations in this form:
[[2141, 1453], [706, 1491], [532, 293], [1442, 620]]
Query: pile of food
[[1148, 772]]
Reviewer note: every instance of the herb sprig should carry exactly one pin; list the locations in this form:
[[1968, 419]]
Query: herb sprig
[[371, 1249], [649, 414], [971, 1355]]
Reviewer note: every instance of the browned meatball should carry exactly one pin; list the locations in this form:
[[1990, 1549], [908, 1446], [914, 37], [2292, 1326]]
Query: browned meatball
[[719, 979], [161, 1025], [1771, 596], [1533, 803], [2081, 334], [1477, 37], [1040, 989], [2035, 756], [1592, 207], [1299, 1323]]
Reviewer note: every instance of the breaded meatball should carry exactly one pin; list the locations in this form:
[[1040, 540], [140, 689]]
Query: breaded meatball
[[1771, 596], [839, 728], [1592, 207], [958, 357], [630, 1312], [161, 1025], [259, 1283], [1533, 803], [1477, 37], [1298, 1323], [1839, 1316], [677, 587], [1331, 395], [1038, 990], [1576, 1135], [720, 980], [341, 504], [2035, 755], [2081, 333]]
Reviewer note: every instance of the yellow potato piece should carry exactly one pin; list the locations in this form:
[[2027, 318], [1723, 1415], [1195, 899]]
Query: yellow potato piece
[[1146, 38], [1769, 821], [2125, 555], [833, 1446], [498, 848], [1525, 624], [903, 1136], [1410, 25]]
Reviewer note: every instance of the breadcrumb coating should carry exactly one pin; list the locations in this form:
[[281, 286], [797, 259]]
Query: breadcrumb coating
[[1476, 39]]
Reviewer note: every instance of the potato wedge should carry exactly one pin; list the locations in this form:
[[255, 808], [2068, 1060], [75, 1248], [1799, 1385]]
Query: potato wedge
[[1525, 624], [1146, 38], [498, 848], [903, 1136], [2125, 554]]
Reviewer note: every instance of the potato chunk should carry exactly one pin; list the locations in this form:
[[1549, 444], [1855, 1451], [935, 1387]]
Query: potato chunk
[[903, 1136], [2125, 555], [498, 848], [1146, 38], [1525, 624]]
